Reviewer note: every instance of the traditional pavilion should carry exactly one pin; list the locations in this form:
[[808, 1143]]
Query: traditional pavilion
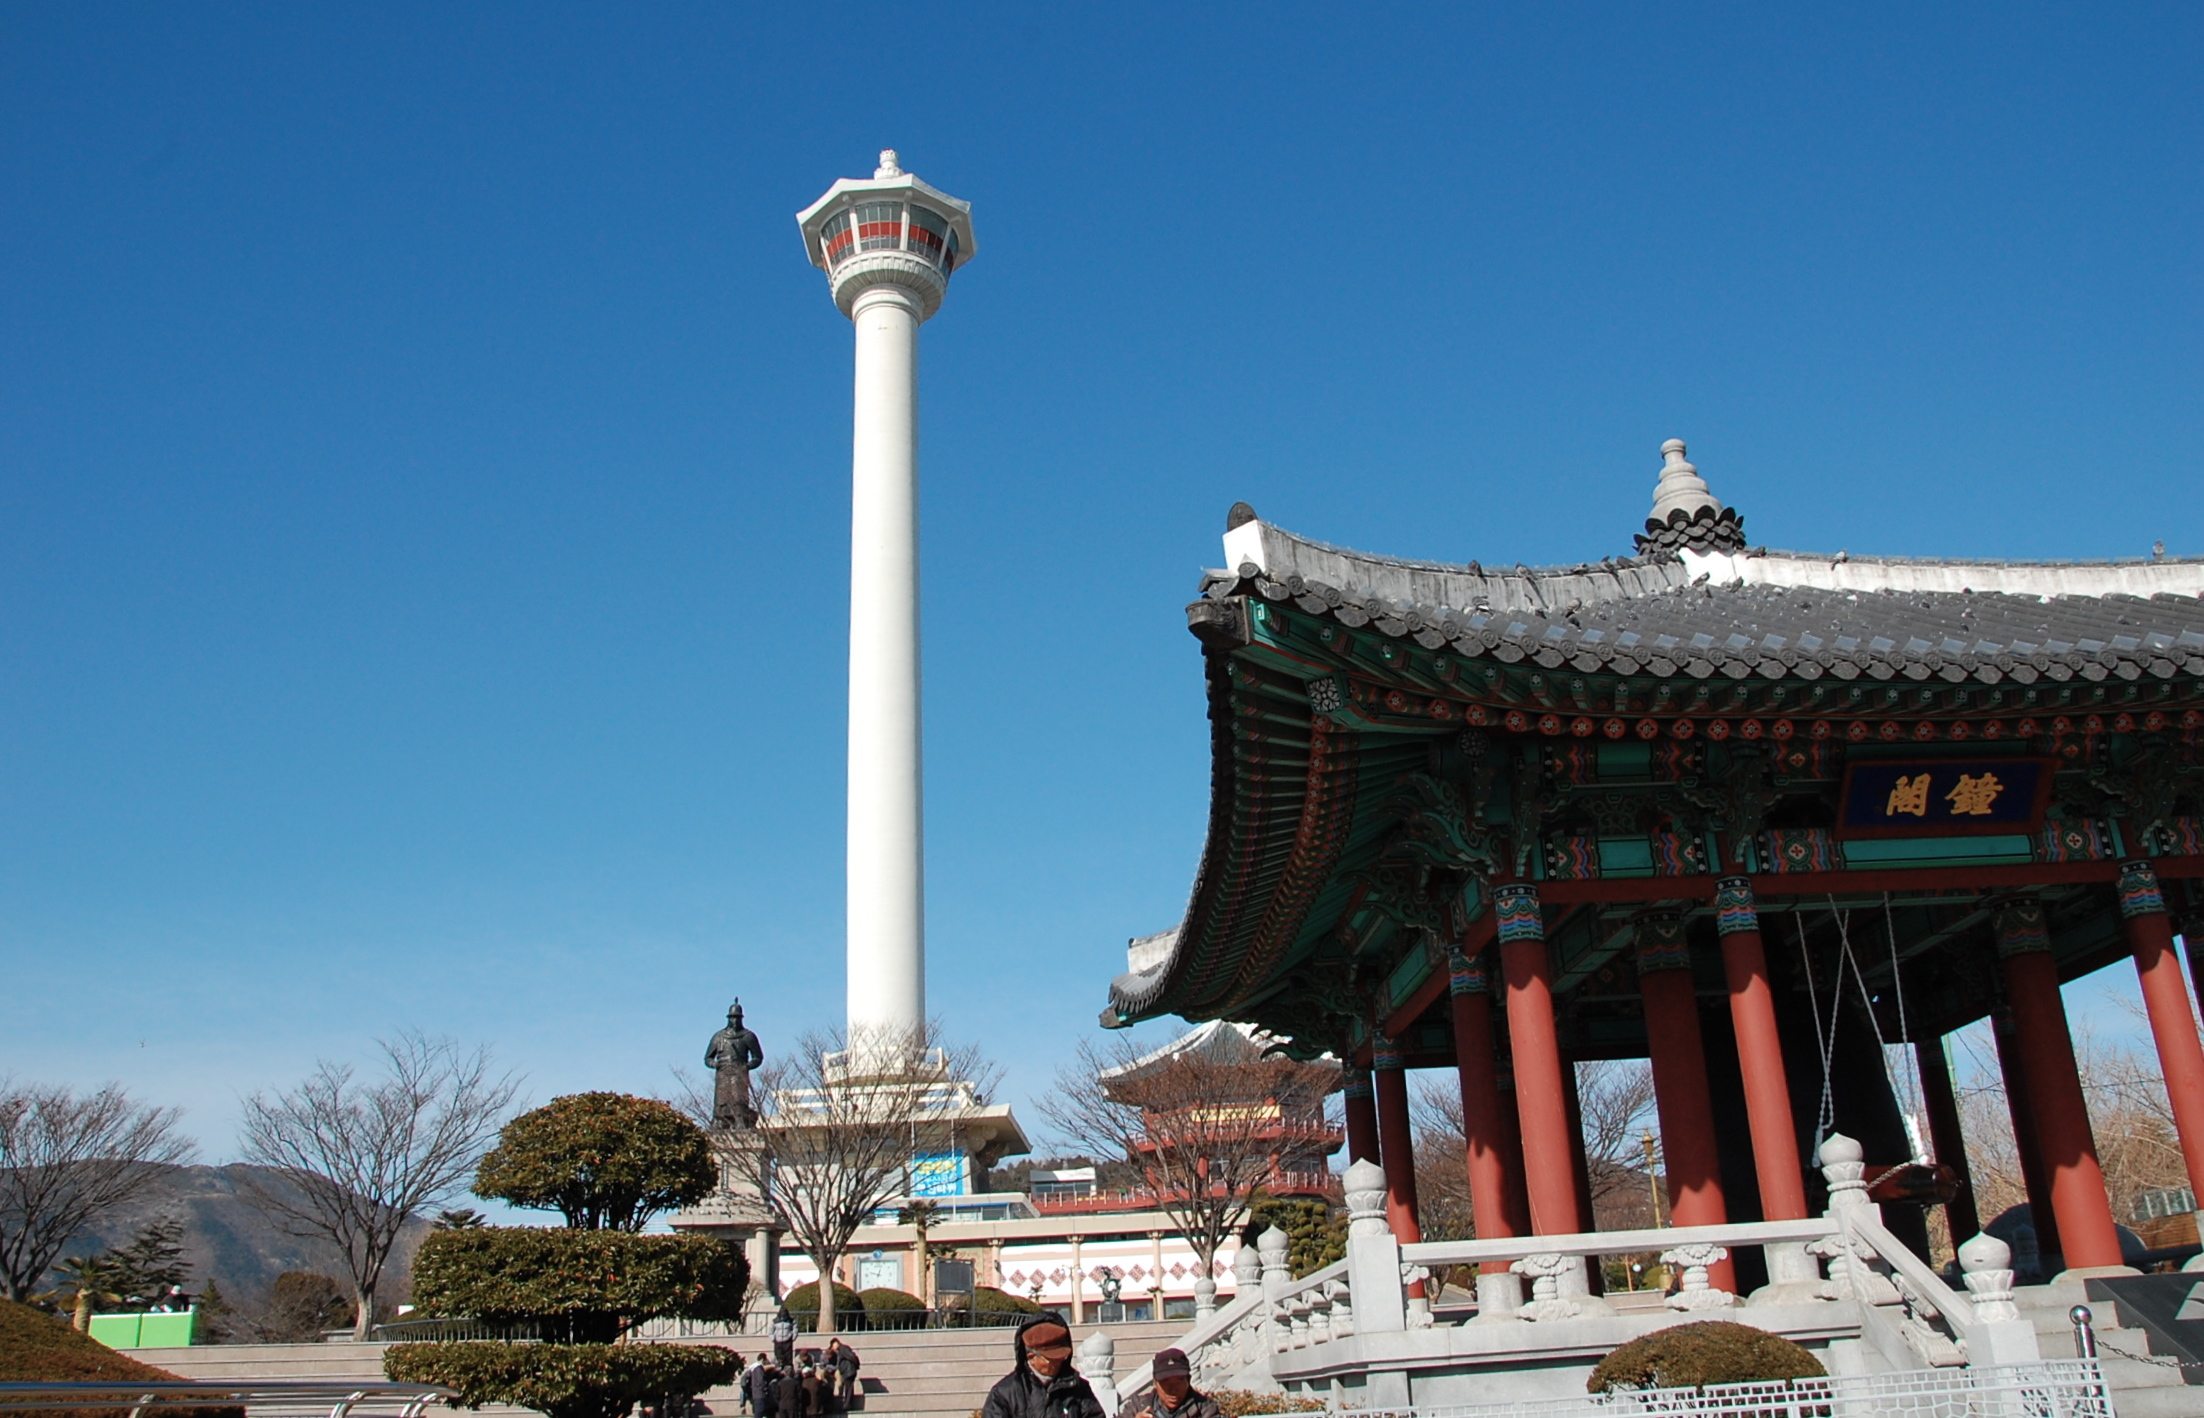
[[1745, 813]]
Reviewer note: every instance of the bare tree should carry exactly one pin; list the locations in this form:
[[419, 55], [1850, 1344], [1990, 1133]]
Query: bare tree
[[2130, 1119], [64, 1159], [364, 1157], [1617, 1100], [839, 1131], [1205, 1120], [1615, 1097]]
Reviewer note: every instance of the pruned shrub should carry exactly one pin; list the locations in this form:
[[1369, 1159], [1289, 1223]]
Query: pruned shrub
[[604, 1161], [886, 1307], [803, 1307], [1696, 1355], [582, 1286], [1239, 1402], [565, 1380]]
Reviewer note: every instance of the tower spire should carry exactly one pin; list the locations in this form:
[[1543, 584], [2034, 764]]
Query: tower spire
[[888, 245]]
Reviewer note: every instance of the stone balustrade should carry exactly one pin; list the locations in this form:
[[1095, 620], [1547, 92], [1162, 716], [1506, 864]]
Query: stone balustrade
[[1866, 1284]]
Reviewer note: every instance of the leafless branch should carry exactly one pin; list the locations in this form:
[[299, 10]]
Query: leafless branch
[[366, 1156], [838, 1130], [1205, 1128], [64, 1159]]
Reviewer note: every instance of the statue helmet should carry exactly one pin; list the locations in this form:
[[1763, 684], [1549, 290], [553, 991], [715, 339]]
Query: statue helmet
[[734, 1011]]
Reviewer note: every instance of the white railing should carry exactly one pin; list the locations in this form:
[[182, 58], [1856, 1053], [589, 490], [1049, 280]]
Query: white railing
[[1278, 1328], [2062, 1388]]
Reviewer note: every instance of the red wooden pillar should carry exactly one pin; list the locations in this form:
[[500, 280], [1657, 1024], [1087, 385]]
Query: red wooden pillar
[[1942, 1105], [1362, 1123], [2034, 1179], [1471, 1001], [1775, 1149], [1680, 1094], [1540, 1100], [2166, 1000], [1396, 1146], [1511, 1147], [2077, 1183]]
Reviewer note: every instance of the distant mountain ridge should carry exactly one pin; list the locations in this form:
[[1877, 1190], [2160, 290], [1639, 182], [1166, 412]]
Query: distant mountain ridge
[[230, 1238]]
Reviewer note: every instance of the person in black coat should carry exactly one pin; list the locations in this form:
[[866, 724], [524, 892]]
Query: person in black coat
[[757, 1386], [788, 1394], [1043, 1384]]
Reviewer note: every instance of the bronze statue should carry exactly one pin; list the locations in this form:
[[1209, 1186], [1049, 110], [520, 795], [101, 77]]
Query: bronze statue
[[732, 1054]]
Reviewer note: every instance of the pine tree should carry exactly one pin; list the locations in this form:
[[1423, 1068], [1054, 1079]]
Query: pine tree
[[217, 1321], [150, 1263]]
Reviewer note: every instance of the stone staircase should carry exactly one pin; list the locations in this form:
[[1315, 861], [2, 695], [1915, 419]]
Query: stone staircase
[[944, 1371], [2140, 1387], [255, 1363], [906, 1372]]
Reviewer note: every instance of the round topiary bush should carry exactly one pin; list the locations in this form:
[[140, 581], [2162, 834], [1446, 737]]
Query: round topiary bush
[[1696, 1355], [580, 1286], [991, 1306], [803, 1307], [886, 1307]]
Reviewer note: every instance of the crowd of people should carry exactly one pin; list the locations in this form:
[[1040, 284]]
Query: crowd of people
[[788, 1383], [1042, 1383]]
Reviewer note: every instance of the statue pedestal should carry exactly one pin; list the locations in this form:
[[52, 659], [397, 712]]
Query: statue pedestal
[[736, 1211]]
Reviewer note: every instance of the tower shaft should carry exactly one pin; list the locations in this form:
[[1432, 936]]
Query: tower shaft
[[888, 245], [886, 888]]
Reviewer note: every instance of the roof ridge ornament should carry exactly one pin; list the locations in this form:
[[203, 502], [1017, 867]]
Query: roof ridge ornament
[[889, 167], [1686, 513]]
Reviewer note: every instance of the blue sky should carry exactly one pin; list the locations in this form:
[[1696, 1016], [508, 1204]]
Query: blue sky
[[424, 450]]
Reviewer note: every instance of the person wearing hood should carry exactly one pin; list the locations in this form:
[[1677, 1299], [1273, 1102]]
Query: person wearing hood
[[1043, 1384], [783, 1335], [1175, 1395]]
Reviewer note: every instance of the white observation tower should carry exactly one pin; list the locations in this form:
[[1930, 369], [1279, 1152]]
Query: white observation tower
[[888, 244]]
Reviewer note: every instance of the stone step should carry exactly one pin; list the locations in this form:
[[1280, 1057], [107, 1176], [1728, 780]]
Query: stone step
[[2186, 1401]]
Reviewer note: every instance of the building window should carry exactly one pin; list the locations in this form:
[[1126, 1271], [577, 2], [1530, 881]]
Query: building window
[[929, 234], [836, 239], [879, 226]]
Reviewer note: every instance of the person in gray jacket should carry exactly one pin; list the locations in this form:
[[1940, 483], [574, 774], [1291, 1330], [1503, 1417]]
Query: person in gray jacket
[[1175, 1395]]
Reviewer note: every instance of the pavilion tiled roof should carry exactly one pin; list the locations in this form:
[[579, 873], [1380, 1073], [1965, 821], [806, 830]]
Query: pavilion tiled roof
[[1717, 614], [1694, 603]]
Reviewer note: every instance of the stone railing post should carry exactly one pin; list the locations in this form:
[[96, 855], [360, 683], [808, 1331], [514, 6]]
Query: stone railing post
[[1098, 1362], [1374, 1285], [1373, 1255], [1205, 1297], [1277, 1280], [1247, 1279], [1855, 1271], [2001, 1336]]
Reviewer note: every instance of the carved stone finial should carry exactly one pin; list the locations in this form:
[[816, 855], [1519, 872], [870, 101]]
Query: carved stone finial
[[1364, 1185], [888, 165], [1272, 1246], [1986, 1265], [1686, 513], [1844, 1168]]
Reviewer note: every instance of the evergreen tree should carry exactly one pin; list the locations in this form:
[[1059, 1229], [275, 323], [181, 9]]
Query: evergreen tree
[[217, 1321], [146, 1266]]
